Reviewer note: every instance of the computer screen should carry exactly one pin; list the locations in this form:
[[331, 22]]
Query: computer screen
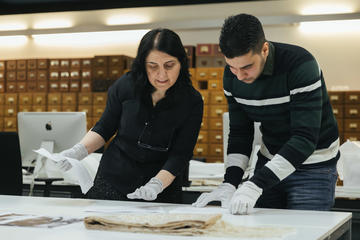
[[55, 131]]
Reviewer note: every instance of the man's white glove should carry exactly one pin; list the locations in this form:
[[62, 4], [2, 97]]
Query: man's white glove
[[222, 193], [78, 151], [149, 191], [245, 197]]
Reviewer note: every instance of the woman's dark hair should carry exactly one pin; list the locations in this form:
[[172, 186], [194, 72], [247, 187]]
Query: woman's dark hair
[[241, 34], [163, 40]]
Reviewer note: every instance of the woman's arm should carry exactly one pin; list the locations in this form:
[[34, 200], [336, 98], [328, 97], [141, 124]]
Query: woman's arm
[[92, 141], [165, 177]]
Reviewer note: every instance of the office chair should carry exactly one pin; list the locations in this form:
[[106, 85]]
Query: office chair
[[11, 171]]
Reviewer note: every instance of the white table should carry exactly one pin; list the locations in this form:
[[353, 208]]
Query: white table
[[309, 225]]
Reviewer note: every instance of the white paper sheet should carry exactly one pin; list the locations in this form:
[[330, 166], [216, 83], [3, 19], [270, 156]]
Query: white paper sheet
[[78, 171]]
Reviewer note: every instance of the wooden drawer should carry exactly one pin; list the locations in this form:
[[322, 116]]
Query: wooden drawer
[[2, 108], [75, 63], [21, 75], [204, 49], [336, 97], [87, 109], [39, 99], [202, 74], [54, 63], [64, 85], [31, 64], [64, 75], [11, 87], [215, 85], [21, 87], [352, 125], [64, 64], [354, 136], [192, 72], [85, 98], [214, 159], [2, 99], [11, 99], [205, 96], [115, 73], [54, 75], [65, 108], [204, 124], [2, 87], [352, 97], [38, 108], [21, 64], [116, 60], [100, 61], [10, 76], [216, 50], [215, 136], [215, 73], [2, 65], [206, 111], [216, 150], [69, 99], [352, 111], [340, 123], [42, 63], [42, 86], [1, 124], [219, 62], [98, 110], [54, 99], [217, 97], [10, 123], [89, 123], [100, 73], [190, 50], [11, 65], [74, 85], [54, 86], [217, 110], [203, 137], [32, 75], [32, 86], [53, 108], [99, 98], [42, 75], [2, 76], [10, 111], [201, 149], [85, 86], [204, 62], [25, 108], [215, 123], [86, 63], [75, 74], [25, 99]]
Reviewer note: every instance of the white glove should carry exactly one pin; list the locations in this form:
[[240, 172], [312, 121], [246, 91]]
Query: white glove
[[245, 197], [222, 193], [149, 191], [78, 151]]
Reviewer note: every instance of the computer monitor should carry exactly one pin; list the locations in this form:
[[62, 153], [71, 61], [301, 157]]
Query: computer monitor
[[54, 131]]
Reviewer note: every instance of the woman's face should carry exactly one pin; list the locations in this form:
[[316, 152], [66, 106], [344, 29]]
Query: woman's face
[[162, 70]]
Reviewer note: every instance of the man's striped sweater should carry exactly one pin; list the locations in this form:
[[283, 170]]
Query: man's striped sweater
[[290, 101]]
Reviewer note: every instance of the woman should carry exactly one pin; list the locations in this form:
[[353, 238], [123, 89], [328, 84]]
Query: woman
[[156, 115]]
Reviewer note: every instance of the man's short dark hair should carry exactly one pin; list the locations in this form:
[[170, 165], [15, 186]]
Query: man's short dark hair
[[241, 34]]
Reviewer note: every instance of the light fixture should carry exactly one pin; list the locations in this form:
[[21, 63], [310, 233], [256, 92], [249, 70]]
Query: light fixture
[[317, 9], [12, 26], [55, 23], [352, 26], [86, 39], [15, 41], [124, 19]]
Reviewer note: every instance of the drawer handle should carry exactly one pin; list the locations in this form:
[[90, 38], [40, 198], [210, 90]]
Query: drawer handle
[[200, 137], [218, 111], [219, 98], [353, 125], [204, 49], [353, 97], [218, 150], [218, 137], [10, 111], [218, 124], [334, 97], [199, 150], [353, 138], [9, 124], [214, 74], [214, 85], [336, 111], [353, 111], [202, 74]]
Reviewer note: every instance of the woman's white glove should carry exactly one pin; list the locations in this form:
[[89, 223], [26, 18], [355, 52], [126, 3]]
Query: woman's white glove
[[78, 151], [222, 193], [245, 197], [149, 191]]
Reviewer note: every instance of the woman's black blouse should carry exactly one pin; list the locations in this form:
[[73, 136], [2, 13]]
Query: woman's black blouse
[[148, 138]]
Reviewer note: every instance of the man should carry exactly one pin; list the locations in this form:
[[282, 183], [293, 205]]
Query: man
[[282, 87]]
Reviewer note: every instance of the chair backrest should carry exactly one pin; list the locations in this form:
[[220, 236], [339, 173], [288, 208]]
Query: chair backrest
[[257, 137], [10, 160]]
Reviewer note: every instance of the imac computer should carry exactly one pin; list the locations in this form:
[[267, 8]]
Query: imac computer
[[54, 131]]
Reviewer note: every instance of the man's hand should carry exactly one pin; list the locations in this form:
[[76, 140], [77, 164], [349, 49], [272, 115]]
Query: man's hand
[[245, 197], [149, 191], [223, 193]]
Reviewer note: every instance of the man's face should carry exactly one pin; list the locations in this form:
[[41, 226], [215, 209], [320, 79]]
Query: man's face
[[248, 67]]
